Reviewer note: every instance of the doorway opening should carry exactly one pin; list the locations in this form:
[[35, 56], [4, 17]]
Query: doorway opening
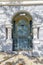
[[22, 31]]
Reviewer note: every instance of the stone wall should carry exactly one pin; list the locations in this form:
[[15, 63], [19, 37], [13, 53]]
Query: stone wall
[[6, 14]]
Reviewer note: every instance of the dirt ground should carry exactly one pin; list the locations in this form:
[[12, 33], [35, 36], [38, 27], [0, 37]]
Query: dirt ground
[[15, 59]]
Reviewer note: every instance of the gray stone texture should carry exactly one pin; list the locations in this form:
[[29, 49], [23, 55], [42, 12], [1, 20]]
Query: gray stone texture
[[6, 14]]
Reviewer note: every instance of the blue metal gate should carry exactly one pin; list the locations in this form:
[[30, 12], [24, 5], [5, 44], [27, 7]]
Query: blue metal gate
[[22, 35]]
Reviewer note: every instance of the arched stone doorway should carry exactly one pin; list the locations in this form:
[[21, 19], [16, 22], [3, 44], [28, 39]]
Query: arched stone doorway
[[22, 31]]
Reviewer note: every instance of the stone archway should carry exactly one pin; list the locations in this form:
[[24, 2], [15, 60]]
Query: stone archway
[[22, 31]]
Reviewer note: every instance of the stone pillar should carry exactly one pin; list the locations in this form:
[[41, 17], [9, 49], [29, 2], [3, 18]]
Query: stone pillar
[[9, 33], [9, 37], [35, 41], [35, 33], [35, 37]]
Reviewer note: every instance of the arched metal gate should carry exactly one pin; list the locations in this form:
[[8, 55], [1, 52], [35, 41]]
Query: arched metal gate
[[22, 32]]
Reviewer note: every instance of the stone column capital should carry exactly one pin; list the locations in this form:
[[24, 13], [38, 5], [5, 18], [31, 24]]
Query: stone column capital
[[8, 25]]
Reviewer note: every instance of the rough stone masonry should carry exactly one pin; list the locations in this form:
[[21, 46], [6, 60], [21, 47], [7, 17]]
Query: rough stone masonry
[[6, 14]]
